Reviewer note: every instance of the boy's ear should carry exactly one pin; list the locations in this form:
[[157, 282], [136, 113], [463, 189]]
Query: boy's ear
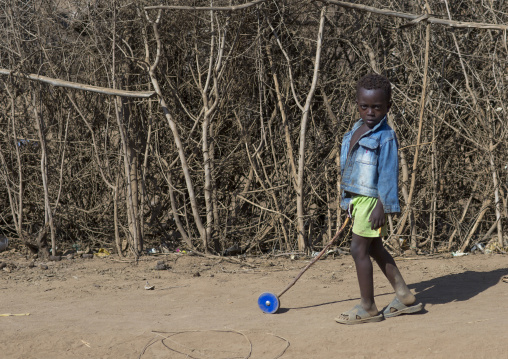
[[389, 105]]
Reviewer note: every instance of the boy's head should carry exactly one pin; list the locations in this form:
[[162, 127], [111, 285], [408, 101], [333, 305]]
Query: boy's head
[[373, 97], [375, 82]]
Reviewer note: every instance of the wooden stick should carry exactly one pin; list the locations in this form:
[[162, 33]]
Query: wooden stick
[[205, 8], [78, 86], [317, 257], [464, 212], [485, 207], [418, 18], [408, 210], [14, 315]]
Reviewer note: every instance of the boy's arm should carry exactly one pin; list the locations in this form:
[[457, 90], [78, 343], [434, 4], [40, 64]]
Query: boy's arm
[[388, 182]]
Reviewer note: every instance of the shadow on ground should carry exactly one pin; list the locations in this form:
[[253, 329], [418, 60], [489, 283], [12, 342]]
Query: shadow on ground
[[449, 288], [456, 287]]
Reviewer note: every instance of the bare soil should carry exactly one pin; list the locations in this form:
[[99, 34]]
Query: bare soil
[[207, 308]]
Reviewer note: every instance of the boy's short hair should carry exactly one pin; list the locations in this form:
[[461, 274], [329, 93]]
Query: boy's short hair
[[375, 82]]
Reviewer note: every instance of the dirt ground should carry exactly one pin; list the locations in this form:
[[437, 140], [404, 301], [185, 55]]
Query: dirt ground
[[207, 308]]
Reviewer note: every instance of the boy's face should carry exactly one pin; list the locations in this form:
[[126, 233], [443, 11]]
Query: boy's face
[[372, 105]]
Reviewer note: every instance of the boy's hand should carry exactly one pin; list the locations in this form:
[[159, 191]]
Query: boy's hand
[[377, 217]]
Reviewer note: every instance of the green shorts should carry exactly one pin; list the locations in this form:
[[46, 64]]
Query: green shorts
[[362, 208]]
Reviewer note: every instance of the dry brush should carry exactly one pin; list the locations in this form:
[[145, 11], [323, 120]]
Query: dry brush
[[216, 126]]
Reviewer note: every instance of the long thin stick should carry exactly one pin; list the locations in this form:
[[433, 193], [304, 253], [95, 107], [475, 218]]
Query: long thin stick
[[317, 257], [205, 8], [408, 210], [78, 86], [417, 17]]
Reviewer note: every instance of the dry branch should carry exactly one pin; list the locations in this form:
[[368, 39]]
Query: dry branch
[[485, 207], [78, 86], [303, 133], [267, 57], [418, 141], [204, 8], [417, 18]]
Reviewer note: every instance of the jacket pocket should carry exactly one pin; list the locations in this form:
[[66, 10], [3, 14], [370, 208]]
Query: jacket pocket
[[367, 151]]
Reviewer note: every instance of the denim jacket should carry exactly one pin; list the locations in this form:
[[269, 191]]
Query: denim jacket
[[372, 167]]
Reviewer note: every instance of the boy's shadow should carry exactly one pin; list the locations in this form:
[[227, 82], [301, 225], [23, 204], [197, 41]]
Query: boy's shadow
[[456, 287], [449, 288]]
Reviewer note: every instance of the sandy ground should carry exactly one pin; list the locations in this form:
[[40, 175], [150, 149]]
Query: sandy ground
[[207, 308]]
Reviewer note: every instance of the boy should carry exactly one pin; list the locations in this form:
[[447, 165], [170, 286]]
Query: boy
[[369, 169]]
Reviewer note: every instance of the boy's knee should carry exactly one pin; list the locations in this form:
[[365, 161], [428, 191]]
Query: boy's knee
[[354, 251], [358, 250]]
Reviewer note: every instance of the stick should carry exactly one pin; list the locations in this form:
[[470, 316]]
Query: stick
[[417, 17], [14, 315], [317, 257], [204, 8], [408, 210], [79, 86], [485, 207]]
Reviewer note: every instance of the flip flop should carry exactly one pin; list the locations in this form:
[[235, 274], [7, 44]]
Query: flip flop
[[397, 308], [358, 315], [505, 278]]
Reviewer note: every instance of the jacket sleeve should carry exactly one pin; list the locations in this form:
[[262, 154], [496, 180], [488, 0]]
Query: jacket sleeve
[[388, 175], [344, 202]]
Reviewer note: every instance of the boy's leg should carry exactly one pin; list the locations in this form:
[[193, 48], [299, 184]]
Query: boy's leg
[[360, 252], [387, 264], [366, 311]]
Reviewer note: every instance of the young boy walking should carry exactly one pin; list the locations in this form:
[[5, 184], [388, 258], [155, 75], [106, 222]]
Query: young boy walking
[[369, 168]]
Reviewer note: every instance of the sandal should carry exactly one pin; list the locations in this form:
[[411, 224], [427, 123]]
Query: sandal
[[397, 308], [358, 315]]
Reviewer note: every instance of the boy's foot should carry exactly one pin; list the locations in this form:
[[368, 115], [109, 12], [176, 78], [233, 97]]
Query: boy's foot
[[397, 308], [358, 315]]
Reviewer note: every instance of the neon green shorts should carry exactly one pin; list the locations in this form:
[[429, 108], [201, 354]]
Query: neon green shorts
[[362, 208]]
